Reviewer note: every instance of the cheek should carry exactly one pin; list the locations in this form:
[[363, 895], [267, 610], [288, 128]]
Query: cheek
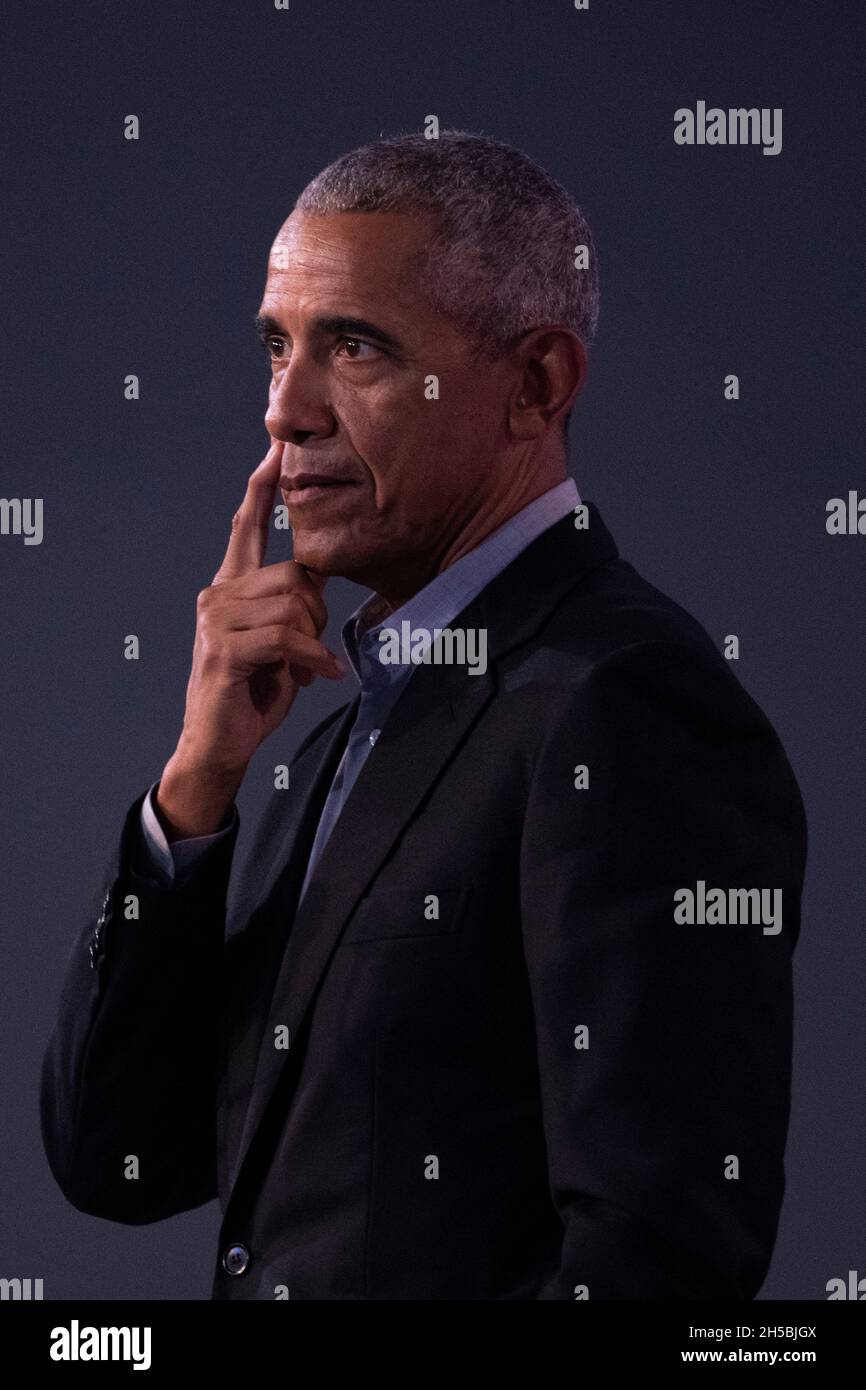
[[406, 441], [382, 423]]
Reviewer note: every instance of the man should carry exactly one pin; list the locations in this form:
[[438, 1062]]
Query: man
[[485, 1022]]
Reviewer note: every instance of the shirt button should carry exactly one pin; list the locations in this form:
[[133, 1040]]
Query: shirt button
[[374, 734], [236, 1259]]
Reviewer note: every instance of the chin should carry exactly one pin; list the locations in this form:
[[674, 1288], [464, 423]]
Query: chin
[[343, 553], [321, 556]]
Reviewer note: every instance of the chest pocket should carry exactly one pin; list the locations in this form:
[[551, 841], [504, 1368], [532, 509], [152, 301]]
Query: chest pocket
[[386, 916]]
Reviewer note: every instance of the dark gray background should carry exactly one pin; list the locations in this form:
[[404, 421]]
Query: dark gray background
[[149, 257]]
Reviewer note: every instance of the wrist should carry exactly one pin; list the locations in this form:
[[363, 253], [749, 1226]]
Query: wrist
[[194, 796]]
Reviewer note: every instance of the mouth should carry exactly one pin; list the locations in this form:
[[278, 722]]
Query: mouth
[[314, 487]]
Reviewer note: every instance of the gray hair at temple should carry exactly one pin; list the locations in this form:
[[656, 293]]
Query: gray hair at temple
[[500, 258]]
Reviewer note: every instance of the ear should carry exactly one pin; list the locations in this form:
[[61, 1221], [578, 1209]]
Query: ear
[[551, 370]]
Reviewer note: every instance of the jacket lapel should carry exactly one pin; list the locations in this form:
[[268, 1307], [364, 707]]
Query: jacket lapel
[[284, 837], [262, 911]]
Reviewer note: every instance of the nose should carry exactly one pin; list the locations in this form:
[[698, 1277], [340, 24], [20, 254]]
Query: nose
[[297, 408]]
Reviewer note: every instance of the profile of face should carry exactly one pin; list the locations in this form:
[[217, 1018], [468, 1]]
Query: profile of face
[[384, 478]]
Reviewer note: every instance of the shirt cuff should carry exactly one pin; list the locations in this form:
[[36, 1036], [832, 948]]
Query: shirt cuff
[[176, 859]]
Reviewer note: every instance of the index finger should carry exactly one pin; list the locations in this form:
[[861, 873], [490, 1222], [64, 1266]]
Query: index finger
[[250, 524]]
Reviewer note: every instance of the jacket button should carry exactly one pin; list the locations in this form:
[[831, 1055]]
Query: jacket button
[[235, 1259]]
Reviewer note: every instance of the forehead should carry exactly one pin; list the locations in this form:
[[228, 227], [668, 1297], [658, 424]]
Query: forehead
[[366, 256]]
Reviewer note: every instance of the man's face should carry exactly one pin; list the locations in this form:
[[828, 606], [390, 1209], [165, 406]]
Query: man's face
[[402, 474]]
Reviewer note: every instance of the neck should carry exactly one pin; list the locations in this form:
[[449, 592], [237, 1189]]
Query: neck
[[402, 583]]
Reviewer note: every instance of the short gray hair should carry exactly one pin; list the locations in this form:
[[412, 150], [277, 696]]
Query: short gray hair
[[500, 259]]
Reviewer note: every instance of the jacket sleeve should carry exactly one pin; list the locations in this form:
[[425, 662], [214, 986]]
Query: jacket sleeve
[[172, 862], [664, 1048], [128, 1087]]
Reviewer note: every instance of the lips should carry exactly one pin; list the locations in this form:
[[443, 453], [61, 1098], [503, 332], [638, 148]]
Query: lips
[[291, 482], [309, 487]]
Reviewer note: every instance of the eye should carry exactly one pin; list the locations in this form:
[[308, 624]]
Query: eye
[[359, 343], [270, 344]]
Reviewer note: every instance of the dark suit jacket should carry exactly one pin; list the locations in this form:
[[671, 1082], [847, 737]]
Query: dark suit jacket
[[435, 1129]]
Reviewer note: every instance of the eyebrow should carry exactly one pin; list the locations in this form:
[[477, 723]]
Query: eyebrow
[[266, 324]]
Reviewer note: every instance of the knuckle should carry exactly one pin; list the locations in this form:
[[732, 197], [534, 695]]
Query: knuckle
[[297, 610], [205, 629]]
